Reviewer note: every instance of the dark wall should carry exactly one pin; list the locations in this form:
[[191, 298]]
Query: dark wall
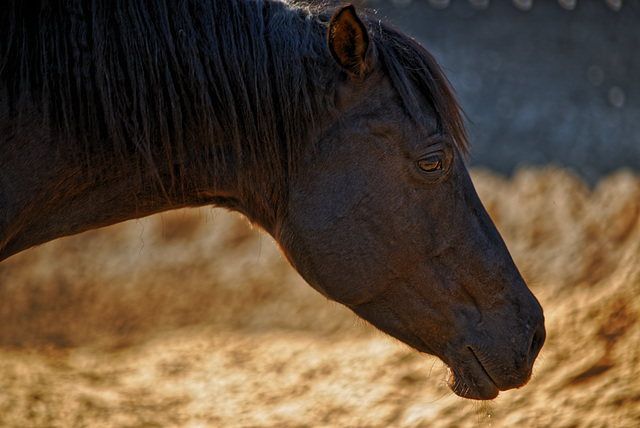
[[541, 86]]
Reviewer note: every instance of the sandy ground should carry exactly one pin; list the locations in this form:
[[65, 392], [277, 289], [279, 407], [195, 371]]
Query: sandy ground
[[193, 319]]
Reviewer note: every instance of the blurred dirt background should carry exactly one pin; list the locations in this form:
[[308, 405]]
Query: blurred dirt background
[[194, 319]]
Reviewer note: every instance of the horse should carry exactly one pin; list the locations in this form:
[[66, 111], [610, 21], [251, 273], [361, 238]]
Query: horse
[[325, 126]]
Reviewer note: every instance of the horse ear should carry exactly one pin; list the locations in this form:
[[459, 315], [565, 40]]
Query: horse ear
[[349, 42]]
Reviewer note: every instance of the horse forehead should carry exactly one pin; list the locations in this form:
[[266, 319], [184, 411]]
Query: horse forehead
[[383, 104], [376, 107], [392, 121]]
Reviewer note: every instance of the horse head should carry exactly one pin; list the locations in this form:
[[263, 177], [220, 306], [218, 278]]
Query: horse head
[[384, 218]]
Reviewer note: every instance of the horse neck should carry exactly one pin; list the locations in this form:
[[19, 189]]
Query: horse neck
[[47, 193], [215, 143]]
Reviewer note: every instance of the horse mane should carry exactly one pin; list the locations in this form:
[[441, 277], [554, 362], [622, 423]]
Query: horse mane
[[237, 84]]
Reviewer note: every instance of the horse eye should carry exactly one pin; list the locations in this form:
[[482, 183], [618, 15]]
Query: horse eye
[[431, 163]]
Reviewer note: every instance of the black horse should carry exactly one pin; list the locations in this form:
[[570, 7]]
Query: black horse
[[338, 135]]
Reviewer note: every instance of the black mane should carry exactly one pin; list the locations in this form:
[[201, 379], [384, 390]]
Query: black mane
[[236, 84]]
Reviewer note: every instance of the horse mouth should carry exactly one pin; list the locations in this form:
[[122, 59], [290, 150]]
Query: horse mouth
[[472, 380]]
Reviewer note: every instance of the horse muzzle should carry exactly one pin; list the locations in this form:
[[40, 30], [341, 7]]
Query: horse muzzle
[[480, 371]]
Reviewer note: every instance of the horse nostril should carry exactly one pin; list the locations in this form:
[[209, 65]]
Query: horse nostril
[[537, 340]]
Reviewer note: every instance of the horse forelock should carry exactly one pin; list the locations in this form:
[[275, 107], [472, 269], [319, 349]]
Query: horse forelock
[[417, 76]]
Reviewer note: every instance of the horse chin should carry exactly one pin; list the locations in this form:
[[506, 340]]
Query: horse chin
[[471, 380]]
